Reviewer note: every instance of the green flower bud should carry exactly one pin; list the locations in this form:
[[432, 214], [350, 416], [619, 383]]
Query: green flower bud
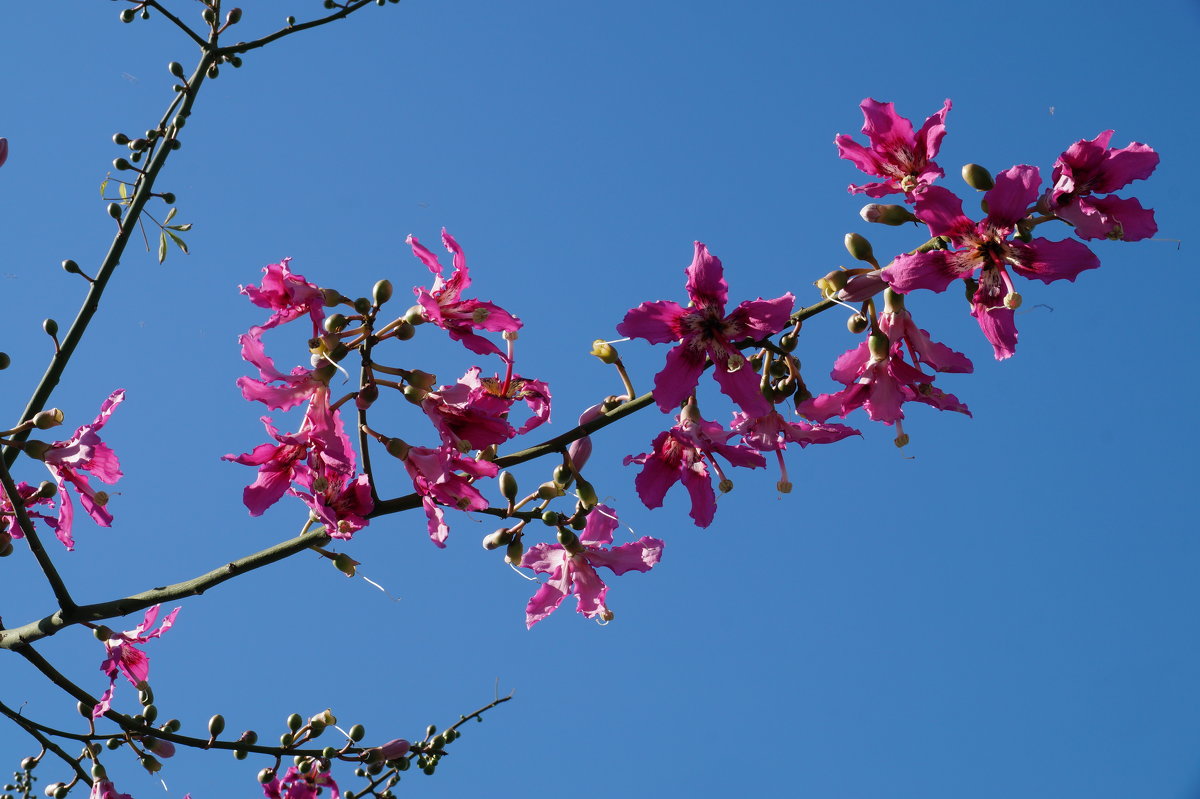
[[114, 210], [336, 323], [29, 763], [514, 552], [53, 788], [498, 539], [266, 775], [126, 15], [604, 351], [404, 331], [234, 16], [415, 315], [551, 518], [50, 326], [787, 342], [151, 764], [569, 541], [44, 420], [508, 486], [977, 177], [860, 249], [172, 725], [356, 733], [216, 725], [587, 493], [5, 360], [887, 214], [879, 345], [382, 292], [175, 68], [857, 323], [362, 305], [562, 475], [550, 490], [295, 722], [286, 739]]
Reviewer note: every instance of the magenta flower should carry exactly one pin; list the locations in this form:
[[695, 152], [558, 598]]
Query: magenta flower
[[534, 393], [104, 789], [878, 379], [72, 461], [897, 324], [684, 454], [30, 497], [123, 656], [704, 332], [273, 388], [467, 416], [771, 433], [902, 158], [1092, 167], [572, 567], [341, 503], [443, 304], [297, 784], [289, 295], [443, 476], [985, 247]]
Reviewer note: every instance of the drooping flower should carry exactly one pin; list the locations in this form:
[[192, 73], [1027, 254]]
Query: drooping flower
[[684, 454], [444, 306], [104, 789], [879, 380], [297, 784], [289, 295], [1089, 168], [897, 324], [273, 388], [572, 564], [72, 461], [705, 332], [534, 393], [771, 433], [904, 159], [468, 417], [443, 476], [123, 656], [985, 247]]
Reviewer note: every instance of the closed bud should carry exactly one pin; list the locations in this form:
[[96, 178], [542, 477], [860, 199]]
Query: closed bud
[[29, 763], [330, 297], [127, 15], [879, 344], [357, 732], [860, 249], [569, 541], [498, 539], [233, 17], [549, 490], [5, 360], [382, 292], [70, 267], [857, 323], [44, 420], [114, 210], [562, 475], [216, 725], [587, 493], [579, 451], [266, 775], [345, 564], [551, 518], [887, 214], [151, 764], [977, 177], [404, 330], [209, 16], [397, 448], [787, 342], [175, 68], [362, 305], [604, 351], [514, 552], [172, 725], [83, 709], [366, 396], [50, 326], [286, 739], [295, 722], [168, 197], [415, 315], [508, 485], [336, 323], [52, 789]]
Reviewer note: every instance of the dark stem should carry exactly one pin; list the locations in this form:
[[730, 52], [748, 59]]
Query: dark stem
[[61, 594]]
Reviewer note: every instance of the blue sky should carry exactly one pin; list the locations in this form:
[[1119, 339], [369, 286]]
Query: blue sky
[[1007, 608]]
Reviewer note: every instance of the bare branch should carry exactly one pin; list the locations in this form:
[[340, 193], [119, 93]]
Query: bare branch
[[61, 594], [242, 47]]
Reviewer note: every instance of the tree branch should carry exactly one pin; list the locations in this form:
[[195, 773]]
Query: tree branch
[[61, 594], [242, 47], [34, 729], [195, 37]]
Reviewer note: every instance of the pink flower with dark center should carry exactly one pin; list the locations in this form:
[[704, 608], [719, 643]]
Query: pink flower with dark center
[[443, 476], [985, 247], [297, 784], [123, 656], [684, 454], [72, 461], [572, 566], [771, 433], [1092, 167], [273, 388], [904, 159], [878, 379], [444, 306], [289, 295], [467, 416], [342, 503], [279, 464], [534, 393], [705, 332]]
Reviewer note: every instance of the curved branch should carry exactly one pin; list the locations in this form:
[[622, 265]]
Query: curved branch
[[35, 729], [242, 47], [61, 594]]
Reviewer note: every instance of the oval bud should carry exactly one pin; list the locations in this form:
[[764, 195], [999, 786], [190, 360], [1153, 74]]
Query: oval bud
[[216, 725], [569, 541], [587, 493], [70, 267], [551, 518], [857, 323], [500, 538], [356, 732], [44, 420], [977, 177], [50, 326], [29, 763], [362, 305], [508, 485], [266, 775], [382, 292], [604, 351], [579, 451], [562, 475], [514, 552], [52, 789], [415, 315], [879, 344], [787, 342], [114, 210], [860, 249], [336, 323], [404, 331], [294, 722], [887, 214], [549, 490], [234, 16], [126, 16], [5, 360], [175, 68]]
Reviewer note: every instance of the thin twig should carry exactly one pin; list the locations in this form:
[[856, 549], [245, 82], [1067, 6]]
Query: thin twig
[[195, 37], [242, 47], [61, 594], [34, 729]]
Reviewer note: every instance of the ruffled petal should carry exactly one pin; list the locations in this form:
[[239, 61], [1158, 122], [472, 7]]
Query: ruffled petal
[[706, 284], [656, 322]]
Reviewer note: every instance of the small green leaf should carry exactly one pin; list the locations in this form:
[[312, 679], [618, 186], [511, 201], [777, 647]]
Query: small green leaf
[[184, 228], [170, 214], [178, 241], [121, 189], [103, 186], [162, 246]]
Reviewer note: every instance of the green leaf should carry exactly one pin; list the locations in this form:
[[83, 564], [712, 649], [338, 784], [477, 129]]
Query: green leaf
[[104, 185], [170, 214], [184, 228], [121, 189], [162, 246], [178, 241]]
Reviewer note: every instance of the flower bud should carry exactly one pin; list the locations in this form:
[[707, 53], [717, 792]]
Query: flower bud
[[860, 249], [151, 764], [725, 486], [977, 177], [562, 475], [879, 345], [330, 297], [549, 490], [382, 292], [579, 451], [159, 747], [345, 564], [498, 539], [587, 493], [50, 326], [404, 330], [514, 552], [53, 788], [114, 210], [216, 725], [415, 315], [397, 448], [569, 541], [44, 420], [295, 722], [604, 351], [366, 396], [126, 16], [392, 750], [5, 360], [832, 283], [551, 518], [233, 17], [887, 214], [70, 267], [857, 323], [508, 486], [336, 323], [356, 732], [266, 775], [46, 489]]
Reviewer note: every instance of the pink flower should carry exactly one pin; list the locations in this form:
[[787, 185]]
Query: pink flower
[[122, 656], [985, 247], [443, 304], [1092, 167], [902, 158], [297, 784], [706, 333], [897, 324], [342, 504], [273, 388], [684, 454], [572, 566], [878, 379], [71, 461], [104, 789], [534, 393], [289, 295], [468, 417], [30, 497], [443, 476], [771, 433]]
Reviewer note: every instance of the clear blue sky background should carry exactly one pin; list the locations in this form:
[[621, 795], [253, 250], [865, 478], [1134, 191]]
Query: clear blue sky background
[[1011, 610]]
